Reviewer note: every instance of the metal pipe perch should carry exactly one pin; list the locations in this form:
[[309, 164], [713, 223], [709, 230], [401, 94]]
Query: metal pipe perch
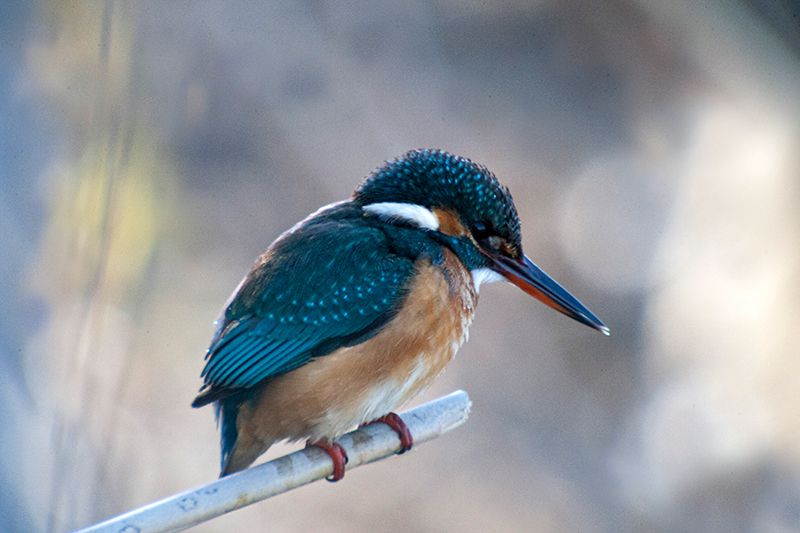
[[364, 445]]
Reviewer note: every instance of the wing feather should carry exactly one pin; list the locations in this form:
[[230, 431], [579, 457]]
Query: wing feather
[[322, 285]]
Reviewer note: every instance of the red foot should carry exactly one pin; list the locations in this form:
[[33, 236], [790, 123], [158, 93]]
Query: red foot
[[337, 454], [394, 421]]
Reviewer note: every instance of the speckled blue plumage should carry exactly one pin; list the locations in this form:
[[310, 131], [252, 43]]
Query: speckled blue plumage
[[437, 178], [329, 282]]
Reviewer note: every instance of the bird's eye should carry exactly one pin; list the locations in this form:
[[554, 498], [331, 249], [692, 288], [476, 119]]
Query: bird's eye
[[480, 231]]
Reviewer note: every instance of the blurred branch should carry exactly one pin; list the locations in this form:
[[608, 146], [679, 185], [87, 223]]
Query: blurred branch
[[364, 445]]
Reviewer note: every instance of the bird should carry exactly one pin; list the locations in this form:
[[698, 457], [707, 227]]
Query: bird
[[358, 308]]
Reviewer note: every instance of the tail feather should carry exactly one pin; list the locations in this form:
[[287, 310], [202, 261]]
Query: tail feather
[[227, 411]]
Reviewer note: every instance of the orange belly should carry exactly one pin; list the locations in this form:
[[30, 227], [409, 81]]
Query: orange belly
[[334, 393]]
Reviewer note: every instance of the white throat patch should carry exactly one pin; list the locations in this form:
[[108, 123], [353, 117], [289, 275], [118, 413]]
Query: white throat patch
[[413, 213], [484, 275]]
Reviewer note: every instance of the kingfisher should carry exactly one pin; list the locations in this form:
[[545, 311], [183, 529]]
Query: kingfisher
[[359, 307]]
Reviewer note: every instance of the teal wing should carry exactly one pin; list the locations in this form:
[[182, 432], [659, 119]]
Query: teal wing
[[323, 285]]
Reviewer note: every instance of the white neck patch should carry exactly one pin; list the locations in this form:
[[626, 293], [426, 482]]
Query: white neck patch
[[413, 213], [424, 218], [484, 275]]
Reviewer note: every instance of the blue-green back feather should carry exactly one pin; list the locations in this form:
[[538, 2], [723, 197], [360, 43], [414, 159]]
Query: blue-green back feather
[[330, 281]]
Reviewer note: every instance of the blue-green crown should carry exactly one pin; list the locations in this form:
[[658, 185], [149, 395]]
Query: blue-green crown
[[434, 178]]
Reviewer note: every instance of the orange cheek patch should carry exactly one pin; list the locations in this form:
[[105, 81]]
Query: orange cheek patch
[[449, 223]]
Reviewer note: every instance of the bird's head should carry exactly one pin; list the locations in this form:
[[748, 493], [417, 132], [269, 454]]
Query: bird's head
[[463, 205]]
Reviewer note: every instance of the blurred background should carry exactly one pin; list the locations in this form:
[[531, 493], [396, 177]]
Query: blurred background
[[150, 151]]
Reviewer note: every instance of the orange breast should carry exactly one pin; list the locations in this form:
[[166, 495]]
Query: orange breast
[[334, 393]]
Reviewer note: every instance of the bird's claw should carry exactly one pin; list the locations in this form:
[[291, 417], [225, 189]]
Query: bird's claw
[[337, 455], [394, 421]]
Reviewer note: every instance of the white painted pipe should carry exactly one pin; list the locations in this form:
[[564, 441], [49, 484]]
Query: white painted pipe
[[364, 445]]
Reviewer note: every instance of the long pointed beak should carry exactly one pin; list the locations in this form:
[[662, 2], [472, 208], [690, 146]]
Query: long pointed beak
[[531, 279]]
